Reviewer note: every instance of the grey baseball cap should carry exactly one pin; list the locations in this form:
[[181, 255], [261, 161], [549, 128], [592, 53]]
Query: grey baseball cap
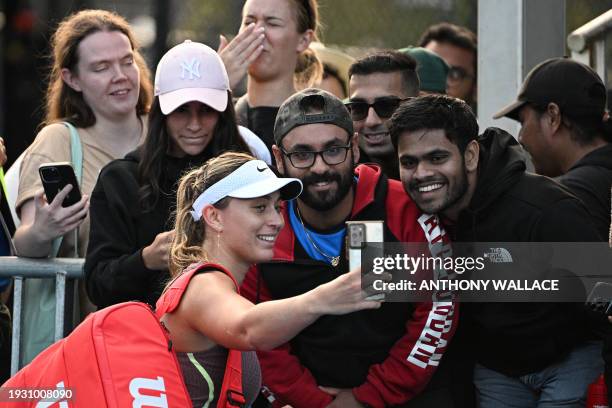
[[295, 110]]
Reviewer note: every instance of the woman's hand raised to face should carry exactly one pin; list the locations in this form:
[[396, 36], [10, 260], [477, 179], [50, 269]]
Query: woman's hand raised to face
[[347, 293], [51, 220], [239, 53]]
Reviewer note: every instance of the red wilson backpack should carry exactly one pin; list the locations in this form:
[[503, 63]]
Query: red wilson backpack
[[120, 356]]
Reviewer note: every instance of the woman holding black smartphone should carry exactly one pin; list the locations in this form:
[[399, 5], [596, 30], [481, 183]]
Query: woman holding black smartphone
[[99, 84]]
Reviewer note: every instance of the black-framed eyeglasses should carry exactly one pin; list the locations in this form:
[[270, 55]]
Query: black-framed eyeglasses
[[458, 74], [384, 107], [303, 159]]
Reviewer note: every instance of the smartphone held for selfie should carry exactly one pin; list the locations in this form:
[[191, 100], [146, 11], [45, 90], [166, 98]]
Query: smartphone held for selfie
[[357, 234], [600, 298], [56, 176]]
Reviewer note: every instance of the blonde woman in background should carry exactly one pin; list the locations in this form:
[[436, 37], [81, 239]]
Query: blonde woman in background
[[284, 59]]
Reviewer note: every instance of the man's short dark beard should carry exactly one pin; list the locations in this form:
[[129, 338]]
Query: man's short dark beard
[[326, 201]]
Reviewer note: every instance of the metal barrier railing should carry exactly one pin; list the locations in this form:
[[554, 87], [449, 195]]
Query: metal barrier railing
[[65, 271], [588, 43]]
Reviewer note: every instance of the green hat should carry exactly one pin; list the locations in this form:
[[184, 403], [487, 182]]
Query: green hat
[[431, 68]]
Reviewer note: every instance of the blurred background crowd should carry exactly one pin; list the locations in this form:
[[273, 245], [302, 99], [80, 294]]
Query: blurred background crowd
[[353, 26]]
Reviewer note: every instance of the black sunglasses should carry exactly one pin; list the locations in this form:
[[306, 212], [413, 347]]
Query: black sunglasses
[[384, 107], [458, 74]]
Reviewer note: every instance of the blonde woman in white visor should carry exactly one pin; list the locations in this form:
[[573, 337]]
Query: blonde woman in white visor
[[228, 217]]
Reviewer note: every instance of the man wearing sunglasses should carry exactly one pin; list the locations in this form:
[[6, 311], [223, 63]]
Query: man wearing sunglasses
[[457, 46], [378, 83], [363, 358]]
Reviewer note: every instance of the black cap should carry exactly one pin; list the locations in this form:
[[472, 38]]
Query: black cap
[[573, 86], [293, 112]]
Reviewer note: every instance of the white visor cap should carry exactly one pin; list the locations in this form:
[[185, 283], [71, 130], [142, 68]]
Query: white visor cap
[[251, 180]]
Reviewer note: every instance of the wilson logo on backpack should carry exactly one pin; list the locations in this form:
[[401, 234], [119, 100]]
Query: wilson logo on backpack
[[147, 400]]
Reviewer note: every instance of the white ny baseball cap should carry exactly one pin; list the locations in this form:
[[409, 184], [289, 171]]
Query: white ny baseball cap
[[251, 180], [191, 71]]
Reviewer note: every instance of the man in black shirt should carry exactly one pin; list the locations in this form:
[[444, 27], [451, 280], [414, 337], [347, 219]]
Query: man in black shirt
[[567, 131]]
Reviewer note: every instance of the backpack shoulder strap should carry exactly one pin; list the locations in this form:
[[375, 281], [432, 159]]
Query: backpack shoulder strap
[[76, 159], [76, 151], [170, 299], [231, 394]]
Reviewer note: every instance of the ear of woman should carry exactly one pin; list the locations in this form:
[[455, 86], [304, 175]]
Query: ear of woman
[[305, 39], [70, 79], [213, 218]]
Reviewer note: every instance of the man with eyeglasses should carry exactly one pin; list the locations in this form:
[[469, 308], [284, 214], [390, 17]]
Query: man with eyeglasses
[[458, 47], [364, 358], [378, 83]]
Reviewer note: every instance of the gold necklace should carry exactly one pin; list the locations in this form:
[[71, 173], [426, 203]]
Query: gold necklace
[[334, 260]]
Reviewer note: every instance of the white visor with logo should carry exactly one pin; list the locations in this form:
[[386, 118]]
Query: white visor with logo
[[251, 180]]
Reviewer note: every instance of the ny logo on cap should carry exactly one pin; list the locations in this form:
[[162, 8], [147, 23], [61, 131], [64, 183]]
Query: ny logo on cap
[[193, 68]]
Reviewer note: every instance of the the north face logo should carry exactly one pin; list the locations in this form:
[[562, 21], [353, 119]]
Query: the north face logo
[[498, 255], [137, 385]]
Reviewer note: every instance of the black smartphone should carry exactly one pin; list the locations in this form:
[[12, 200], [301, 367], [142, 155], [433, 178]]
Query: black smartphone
[[56, 176]]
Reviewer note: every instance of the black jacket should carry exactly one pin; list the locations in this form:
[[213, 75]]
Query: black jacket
[[120, 229], [511, 205], [590, 180]]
